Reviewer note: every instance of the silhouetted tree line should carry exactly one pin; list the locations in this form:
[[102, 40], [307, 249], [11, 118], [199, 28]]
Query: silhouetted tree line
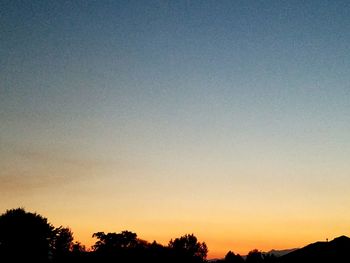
[[29, 237]]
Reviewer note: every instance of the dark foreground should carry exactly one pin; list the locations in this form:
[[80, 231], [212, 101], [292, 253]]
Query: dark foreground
[[28, 237]]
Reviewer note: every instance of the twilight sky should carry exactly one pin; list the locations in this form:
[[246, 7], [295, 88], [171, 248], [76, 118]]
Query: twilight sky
[[226, 119]]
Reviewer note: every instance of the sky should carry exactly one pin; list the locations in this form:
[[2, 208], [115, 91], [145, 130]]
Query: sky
[[226, 119]]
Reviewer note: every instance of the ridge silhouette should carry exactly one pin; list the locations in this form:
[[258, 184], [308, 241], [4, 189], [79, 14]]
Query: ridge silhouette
[[337, 250]]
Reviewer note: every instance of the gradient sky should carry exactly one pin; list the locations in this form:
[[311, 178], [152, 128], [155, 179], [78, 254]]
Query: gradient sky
[[226, 119]]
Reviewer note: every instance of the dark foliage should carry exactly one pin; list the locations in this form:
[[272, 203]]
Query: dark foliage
[[28, 237], [188, 249], [233, 258], [25, 237], [255, 256], [62, 244]]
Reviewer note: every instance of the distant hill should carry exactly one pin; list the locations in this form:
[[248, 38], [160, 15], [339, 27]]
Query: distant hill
[[335, 251], [280, 253]]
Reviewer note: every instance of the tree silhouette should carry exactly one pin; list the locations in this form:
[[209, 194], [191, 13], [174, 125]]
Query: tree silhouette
[[254, 256], [124, 246], [189, 249], [79, 254], [25, 237], [232, 258], [112, 241], [62, 244]]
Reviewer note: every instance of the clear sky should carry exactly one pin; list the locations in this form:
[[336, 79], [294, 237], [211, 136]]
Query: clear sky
[[226, 119]]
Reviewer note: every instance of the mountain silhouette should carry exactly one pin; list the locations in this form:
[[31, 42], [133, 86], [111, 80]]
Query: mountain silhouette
[[337, 250]]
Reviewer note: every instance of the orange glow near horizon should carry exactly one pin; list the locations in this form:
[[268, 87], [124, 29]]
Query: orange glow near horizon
[[240, 216], [239, 235], [221, 240]]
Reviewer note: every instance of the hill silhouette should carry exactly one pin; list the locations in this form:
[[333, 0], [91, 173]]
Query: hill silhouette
[[337, 250]]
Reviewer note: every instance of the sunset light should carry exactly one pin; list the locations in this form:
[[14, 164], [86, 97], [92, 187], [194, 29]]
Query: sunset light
[[228, 120]]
